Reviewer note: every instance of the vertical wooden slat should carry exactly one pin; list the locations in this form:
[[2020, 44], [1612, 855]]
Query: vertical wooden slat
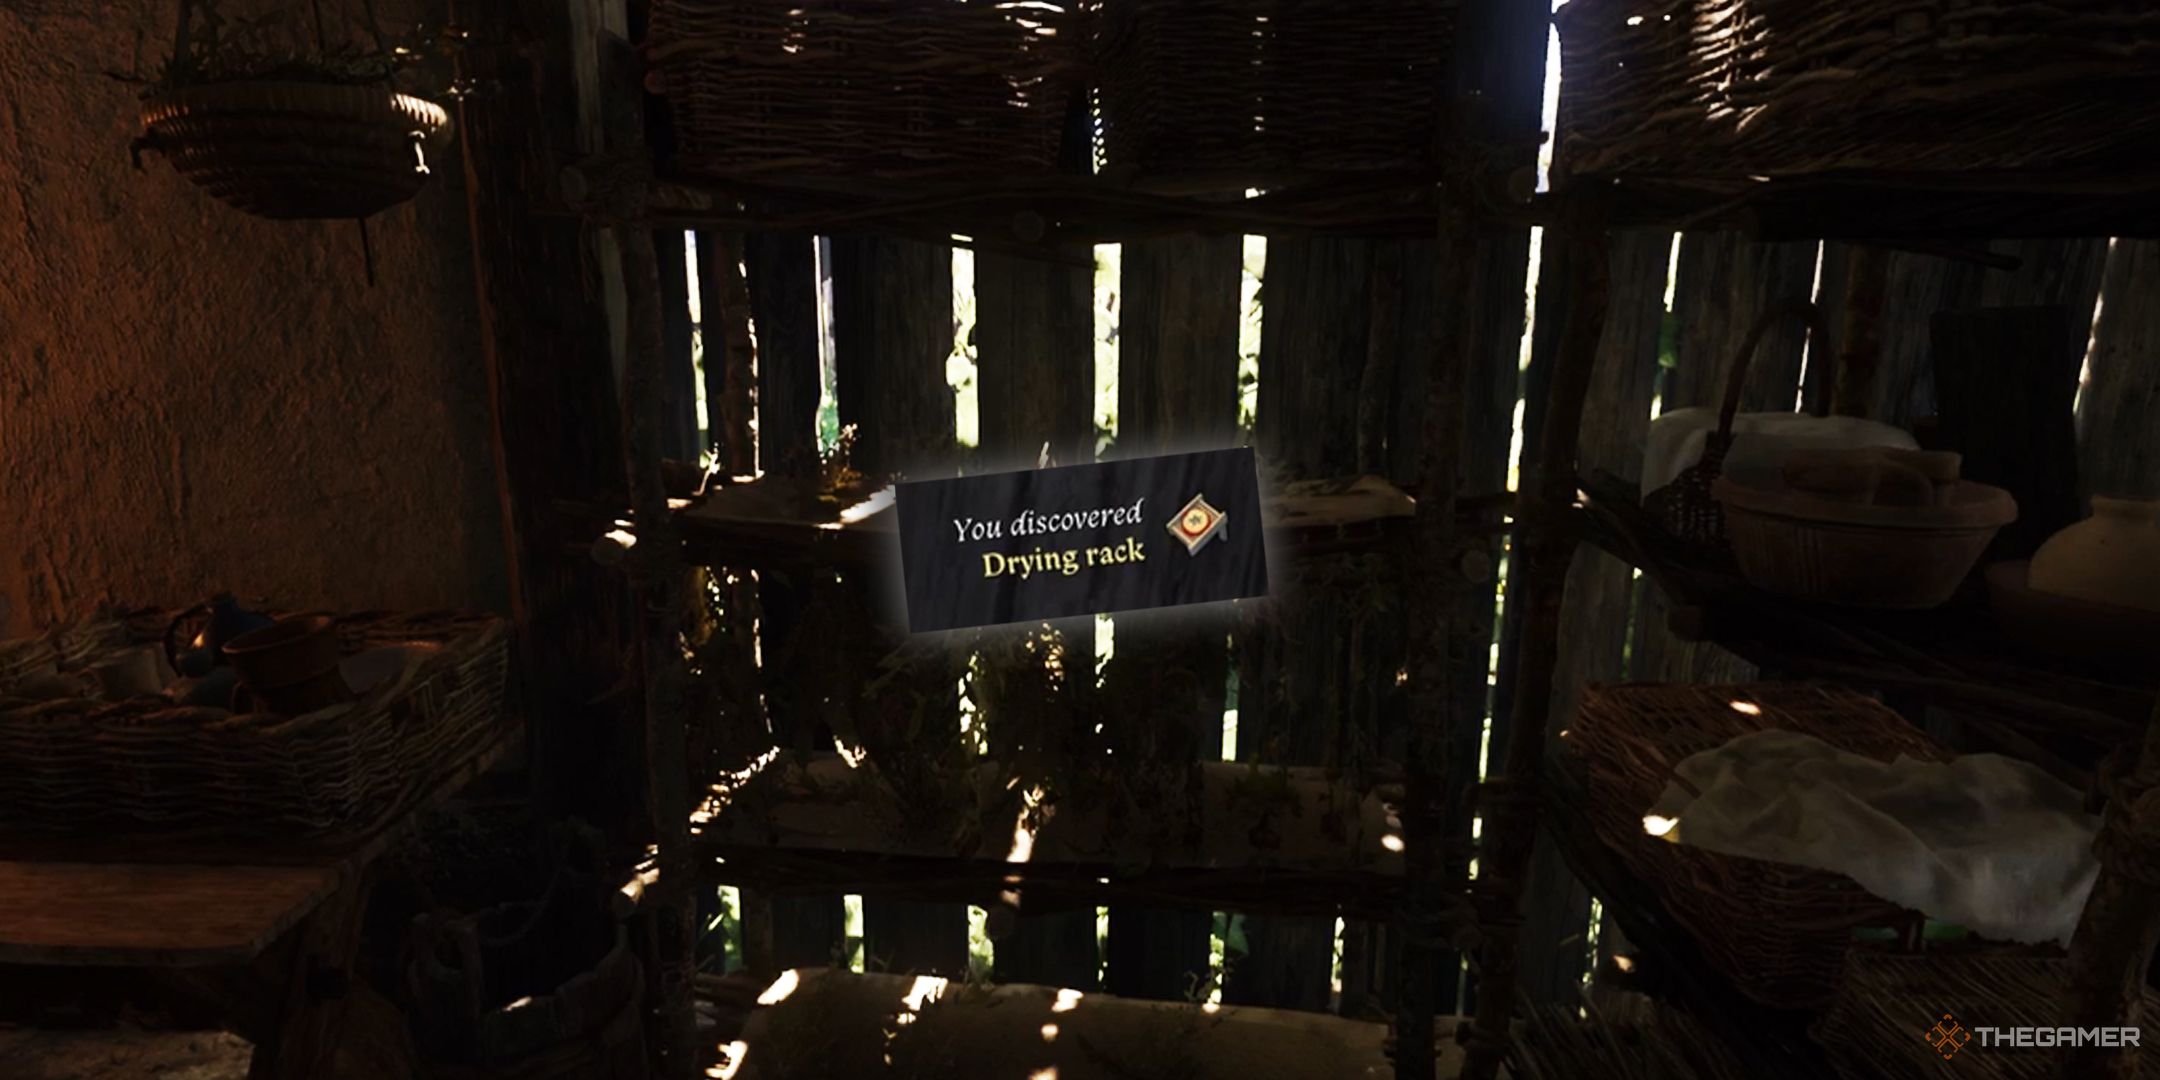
[[783, 281], [1315, 347], [1034, 355], [729, 352], [892, 332], [679, 427], [782, 285], [1177, 389], [2119, 446]]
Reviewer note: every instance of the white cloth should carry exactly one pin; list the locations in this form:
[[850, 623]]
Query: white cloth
[[1760, 441], [1987, 842]]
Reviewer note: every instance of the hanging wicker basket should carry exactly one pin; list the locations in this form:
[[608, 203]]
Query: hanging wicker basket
[[290, 150]]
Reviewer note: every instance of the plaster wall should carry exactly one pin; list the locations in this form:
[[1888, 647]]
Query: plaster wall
[[194, 400]]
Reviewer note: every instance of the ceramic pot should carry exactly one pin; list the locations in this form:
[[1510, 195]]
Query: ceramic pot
[[291, 666], [2112, 557]]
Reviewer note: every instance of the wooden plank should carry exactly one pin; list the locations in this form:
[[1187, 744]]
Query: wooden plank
[[729, 352], [1034, 355], [782, 281], [1035, 359], [781, 269], [1177, 389], [1598, 608], [1315, 347], [892, 334], [2118, 443], [680, 439], [105, 914], [892, 329]]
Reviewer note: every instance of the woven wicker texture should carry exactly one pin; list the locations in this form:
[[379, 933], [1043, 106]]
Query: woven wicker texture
[[1881, 1026], [1269, 85], [1779, 932], [297, 150], [886, 87], [146, 766], [1737, 88]]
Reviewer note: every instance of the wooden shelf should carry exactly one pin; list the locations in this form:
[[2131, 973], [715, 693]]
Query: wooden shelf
[[1952, 656], [1261, 838], [1883, 206], [1025, 214]]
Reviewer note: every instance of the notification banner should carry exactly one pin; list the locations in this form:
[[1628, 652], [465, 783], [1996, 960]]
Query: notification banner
[[1081, 540]]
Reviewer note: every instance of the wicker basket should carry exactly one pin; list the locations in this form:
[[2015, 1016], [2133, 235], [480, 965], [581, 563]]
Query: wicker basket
[[895, 88], [146, 767], [1263, 86], [288, 150], [1687, 506], [1734, 88], [1779, 932], [1883, 1024]]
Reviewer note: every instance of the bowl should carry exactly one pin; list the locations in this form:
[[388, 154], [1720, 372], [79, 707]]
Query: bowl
[[1808, 547]]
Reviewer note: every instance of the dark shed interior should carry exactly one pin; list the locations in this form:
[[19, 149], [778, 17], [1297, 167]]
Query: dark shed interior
[[459, 627]]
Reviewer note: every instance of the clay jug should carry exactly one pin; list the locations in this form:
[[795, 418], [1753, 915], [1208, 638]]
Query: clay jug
[[2112, 557]]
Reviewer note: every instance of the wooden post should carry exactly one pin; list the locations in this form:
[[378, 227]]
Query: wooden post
[[2113, 945], [659, 574], [1545, 544], [557, 435], [1600, 597]]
